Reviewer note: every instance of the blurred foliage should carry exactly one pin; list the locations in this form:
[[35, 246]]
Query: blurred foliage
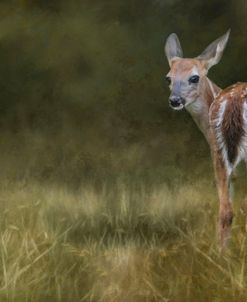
[[83, 95]]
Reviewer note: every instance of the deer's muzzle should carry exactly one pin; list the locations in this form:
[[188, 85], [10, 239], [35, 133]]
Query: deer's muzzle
[[176, 102]]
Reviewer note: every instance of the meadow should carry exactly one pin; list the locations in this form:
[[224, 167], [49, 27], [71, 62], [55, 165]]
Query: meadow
[[118, 243], [105, 193]]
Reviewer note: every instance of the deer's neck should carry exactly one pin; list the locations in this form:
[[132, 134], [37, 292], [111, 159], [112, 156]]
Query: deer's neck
[[199, 109]]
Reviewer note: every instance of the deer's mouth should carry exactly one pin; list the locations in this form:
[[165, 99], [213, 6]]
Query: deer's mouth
[[176, 102], [180, 107]]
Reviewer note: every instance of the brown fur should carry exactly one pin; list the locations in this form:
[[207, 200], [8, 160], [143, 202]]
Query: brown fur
[[206, 119], [232, 122], [220, 128], [232, 127], [182, 67], [232, 130], [225, 207]]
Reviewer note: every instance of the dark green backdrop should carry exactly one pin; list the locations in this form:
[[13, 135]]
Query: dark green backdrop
[[82, 90]]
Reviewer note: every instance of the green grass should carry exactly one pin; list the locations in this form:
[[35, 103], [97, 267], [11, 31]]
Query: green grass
[[121, 243]]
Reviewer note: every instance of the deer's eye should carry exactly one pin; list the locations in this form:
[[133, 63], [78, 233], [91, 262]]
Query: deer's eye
[[194, 79], [168, 80]]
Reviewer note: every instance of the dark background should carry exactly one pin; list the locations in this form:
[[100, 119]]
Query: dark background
[[82, 92]]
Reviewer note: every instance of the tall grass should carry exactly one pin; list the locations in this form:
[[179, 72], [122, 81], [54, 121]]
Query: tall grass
[[116, 244]]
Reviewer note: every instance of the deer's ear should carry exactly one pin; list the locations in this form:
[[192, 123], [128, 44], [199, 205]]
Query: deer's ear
[[213, 53], [173, 48]]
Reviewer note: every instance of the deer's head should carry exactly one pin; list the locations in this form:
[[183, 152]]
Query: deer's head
[[186, 75]]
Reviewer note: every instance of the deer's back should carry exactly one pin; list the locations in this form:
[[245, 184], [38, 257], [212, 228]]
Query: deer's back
[[228, 121]]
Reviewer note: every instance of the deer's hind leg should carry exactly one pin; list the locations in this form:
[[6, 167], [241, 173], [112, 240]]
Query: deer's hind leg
[[222, 174]]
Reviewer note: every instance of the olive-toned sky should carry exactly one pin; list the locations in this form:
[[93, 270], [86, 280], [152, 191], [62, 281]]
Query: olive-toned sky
[[83, 95]]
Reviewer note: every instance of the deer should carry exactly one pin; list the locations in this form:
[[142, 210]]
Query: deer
[[220, 114]]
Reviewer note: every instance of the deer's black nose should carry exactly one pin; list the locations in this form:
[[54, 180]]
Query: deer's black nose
[[176, 101]]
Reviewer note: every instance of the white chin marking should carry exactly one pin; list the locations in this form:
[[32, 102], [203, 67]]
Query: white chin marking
[[180, 107]]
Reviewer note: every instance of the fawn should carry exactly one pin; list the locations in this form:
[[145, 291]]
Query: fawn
[[221, 115]]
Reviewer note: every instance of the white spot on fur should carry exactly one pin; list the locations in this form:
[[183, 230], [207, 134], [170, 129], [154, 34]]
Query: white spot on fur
[[195, 107], [221, 113], [219, 137], [243, 144], [195, 71], [245, 113]]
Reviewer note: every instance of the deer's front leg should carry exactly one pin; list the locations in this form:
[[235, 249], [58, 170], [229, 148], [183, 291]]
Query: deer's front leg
[[225, 207]]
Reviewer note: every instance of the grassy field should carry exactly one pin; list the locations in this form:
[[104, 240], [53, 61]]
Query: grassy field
[[107, 195], [121, 243]]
